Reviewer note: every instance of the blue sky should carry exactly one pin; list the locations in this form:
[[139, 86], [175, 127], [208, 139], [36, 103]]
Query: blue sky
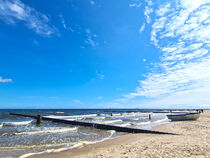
[[104, 54]]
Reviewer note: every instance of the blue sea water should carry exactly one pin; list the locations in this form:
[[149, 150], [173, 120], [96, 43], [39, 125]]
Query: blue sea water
[[20, 136]]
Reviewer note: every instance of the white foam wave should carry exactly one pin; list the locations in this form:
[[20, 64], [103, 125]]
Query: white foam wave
[[78, 117], [71, 117], [162, 120], [77, 145], [152, 123], [89, 115], [98, 117], [116, 114], [111, 121], [53, 130], [82, 143], [125, 124], [17, 123], [59, 112], [1, 125], [58, 117], [144, 123], [130, 115], [135, 119], [44, 152]]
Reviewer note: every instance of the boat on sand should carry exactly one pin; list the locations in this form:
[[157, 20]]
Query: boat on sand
[[184, 117]]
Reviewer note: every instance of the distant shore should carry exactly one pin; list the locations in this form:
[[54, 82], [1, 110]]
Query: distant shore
[[193, 141]]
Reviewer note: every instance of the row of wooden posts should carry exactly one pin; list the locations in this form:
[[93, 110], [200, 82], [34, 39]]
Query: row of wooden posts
[[39, 119]]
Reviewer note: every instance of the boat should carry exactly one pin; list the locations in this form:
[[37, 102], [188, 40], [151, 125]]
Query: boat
[[184, 117]]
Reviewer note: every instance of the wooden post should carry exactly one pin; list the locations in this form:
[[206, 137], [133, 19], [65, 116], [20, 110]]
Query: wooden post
[[149, 116], [39, 120]]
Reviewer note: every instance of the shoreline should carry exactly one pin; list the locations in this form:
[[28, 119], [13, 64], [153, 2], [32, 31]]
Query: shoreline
[[193, 141], [76, 151]]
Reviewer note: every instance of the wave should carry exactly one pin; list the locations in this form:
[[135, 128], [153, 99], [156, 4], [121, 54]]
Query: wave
[[116, 114], [134, 119], [76, 145], [19, 123], [58, 117], [82, 143], [53, 130], [44, 152], [71, 117], [143, 123], [59, 112], [152, 123], [112, 121], [79, 144], [162, 120], [109, 137], [125, 124], [130, 115], [1, 125], [89, 115], [97, 118]]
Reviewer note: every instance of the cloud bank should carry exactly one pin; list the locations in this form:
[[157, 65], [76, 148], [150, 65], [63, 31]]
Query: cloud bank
[[181, 30]]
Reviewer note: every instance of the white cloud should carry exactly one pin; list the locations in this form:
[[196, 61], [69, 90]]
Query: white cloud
[[92, 2], [147, 13], [88, 31], [163, 9], [149, 2], [53, 97], [119, 89], [148, 10], [5, 80], [14, 11], [137, 5], [99, 97], [36, 42], [90, 38], [101, 76], [63, 22], [65, 25], [142, 28], [181, 31], [132, 5], [77, 101]]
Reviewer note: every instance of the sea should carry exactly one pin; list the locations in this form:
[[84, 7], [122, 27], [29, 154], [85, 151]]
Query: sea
[[20, 137]]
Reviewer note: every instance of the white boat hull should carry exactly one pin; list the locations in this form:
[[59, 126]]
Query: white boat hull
[[183, 117]]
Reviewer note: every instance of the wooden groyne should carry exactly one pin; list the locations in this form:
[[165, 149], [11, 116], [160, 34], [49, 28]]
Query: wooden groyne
[[95, 125]]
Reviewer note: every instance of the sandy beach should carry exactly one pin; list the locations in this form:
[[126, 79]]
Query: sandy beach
[[193, 141]]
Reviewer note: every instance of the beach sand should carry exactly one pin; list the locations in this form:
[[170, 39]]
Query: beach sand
[[193, 141]]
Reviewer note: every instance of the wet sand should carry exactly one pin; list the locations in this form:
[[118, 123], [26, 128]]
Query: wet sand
[[193, 141]]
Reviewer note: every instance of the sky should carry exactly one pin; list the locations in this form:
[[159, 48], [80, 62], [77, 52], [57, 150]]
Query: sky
[[104, 54]]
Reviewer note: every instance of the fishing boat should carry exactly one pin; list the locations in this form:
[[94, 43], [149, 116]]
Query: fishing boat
[[184, 117]]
